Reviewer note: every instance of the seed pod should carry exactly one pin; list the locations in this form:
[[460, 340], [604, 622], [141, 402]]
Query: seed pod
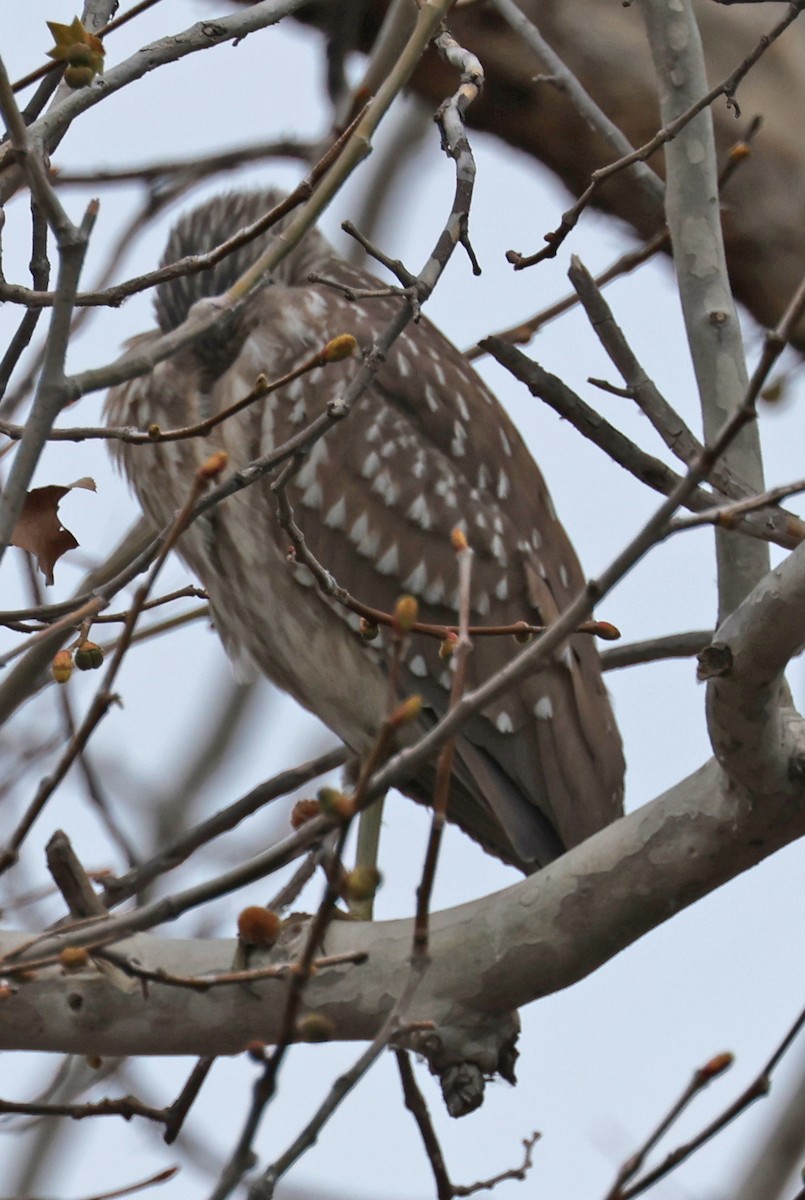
[[62, 666], [314, 1027], [88, 657]]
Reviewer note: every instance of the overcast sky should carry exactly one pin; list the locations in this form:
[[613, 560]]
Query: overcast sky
[[601, 1061]]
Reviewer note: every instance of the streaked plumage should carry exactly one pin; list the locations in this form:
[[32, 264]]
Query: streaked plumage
[[427, 448]]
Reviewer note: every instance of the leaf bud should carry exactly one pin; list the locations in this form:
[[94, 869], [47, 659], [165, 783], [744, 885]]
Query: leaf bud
[[213, 466], [448, 645], [368, 630], [523, 636], [739, 151], [88, 657], [406, 712], [406, 611], [335, 803], [716, 1066], [607, 631], [258, 926], [61, 667], [459, 541], [256, 1051], [361, 883], [338, 348], [304, 811], [314, 1027], [73, 958]]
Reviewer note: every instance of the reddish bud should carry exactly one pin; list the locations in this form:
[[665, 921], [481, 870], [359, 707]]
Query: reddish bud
[[213, 466], [368, 630], [716, 1066], [459, 540], [740, 151], [256, 1051], [304, 811], [73, 958], [258, 926], [606, 631], [94, 1061]]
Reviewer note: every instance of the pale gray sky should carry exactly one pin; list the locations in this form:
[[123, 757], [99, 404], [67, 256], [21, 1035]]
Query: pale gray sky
[[600, 1062]]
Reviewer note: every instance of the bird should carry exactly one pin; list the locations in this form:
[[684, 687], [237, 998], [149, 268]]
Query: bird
[[427, 449]]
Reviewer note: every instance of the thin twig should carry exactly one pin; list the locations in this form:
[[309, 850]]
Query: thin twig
[[104, 697], [726, 88]]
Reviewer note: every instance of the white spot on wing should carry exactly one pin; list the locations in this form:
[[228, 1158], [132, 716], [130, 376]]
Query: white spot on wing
[[502, 589], [503, 485], [499, 550], [371, 465], [434, 592], [417, 666], [543, 709], [366, 542], [431, 398], [481, 604], [506, 444], [337, 516], [313, 496], [385, 486], [504, 722], [315, 304], [389, 564], [298, 412], [563, 575], [461, 405], [420, 512], [459, 438], [417, 581]]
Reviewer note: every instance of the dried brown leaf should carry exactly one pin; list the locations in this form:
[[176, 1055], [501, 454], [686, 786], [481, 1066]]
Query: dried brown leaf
[[39, 529]]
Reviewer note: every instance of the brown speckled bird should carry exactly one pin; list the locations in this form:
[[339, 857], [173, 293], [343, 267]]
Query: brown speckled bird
[[426, 449]]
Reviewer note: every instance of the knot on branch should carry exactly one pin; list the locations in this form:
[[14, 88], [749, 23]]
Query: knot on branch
[[714, 660], [466, 1056]]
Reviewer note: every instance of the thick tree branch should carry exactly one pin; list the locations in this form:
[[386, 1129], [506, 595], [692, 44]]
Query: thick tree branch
[[488, 957], [711, 321]]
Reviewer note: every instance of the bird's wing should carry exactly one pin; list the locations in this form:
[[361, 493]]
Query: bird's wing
[[426, 449]]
